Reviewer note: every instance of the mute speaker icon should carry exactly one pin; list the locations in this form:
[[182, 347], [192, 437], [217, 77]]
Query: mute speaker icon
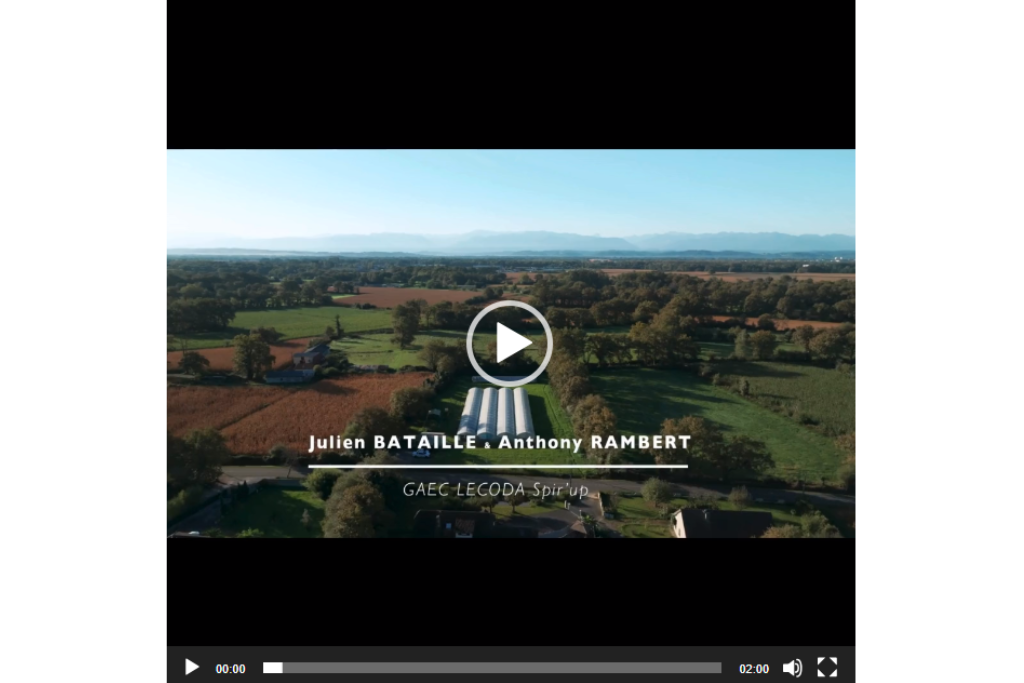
[[794, 668]]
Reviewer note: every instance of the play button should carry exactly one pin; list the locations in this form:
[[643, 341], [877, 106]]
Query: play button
[[190, 666], [510, 343]]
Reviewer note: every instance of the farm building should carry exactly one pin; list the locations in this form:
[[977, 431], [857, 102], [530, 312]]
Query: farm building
[[720, 523], [470, 413], [524, 420], [492, 413], [288, 376], [488, 423], [311, 357], [506, 413]]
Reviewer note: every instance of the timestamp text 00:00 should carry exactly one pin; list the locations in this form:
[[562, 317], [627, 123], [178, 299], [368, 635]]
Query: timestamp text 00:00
[[230, 668]]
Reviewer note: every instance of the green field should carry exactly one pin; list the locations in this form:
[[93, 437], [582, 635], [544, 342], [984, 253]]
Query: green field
[[377, 349], [504, 510], [277, 512], [649, 530], [292, 323], [644, 397], [720, 349], [549, 420], [823, 397]]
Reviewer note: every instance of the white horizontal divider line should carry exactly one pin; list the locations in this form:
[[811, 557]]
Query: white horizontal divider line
[[499, 467]]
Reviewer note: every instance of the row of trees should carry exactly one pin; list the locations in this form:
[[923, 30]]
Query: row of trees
[[569, 379], [185, 316], [710, 454], [828, 344], [664, 342], [227, 274], [271, 283], [667, 342], [585, 298]]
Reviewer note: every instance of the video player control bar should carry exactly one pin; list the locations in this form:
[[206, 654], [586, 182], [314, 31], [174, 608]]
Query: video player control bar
[[484, 668]]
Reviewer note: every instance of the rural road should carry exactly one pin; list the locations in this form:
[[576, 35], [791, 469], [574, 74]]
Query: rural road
[[252, 474]]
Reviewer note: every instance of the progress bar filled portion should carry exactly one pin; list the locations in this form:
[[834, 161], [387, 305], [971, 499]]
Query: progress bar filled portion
[[485, 668]]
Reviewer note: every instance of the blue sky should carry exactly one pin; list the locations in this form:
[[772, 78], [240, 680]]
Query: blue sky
[[290, 193]]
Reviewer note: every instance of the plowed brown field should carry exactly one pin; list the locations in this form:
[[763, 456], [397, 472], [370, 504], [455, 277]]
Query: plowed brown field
[[221, 359], [217, 407], [782, 325], [253, 421]]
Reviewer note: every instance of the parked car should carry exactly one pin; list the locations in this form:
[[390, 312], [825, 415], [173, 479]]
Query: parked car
[[421, 453]]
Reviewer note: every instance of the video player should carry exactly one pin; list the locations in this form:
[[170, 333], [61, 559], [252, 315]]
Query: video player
[[390, 347]]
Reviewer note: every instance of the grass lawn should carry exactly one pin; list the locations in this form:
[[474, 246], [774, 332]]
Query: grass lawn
[[720, 349], [650, 530], [377, 349], [277, 512], [292, 323], [825, 396], [504, 510], [549, 420], [643, 397]]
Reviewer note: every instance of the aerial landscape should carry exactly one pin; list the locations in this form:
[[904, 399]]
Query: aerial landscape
[[744, 341]]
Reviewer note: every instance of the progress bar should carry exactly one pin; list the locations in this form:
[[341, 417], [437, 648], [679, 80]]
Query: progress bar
[[486, 668], [498, 467]]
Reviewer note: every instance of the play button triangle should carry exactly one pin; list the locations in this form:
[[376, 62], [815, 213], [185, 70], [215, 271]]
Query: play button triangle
[[190, 666], [510, 342]]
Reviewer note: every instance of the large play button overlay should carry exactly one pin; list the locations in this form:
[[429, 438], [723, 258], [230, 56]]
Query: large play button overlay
[[510, 343]]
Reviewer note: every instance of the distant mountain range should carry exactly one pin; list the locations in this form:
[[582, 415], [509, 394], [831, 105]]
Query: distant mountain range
[[483, 243]]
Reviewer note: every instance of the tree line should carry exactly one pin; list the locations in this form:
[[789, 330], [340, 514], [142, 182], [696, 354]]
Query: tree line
[[589, 412], [588, 298], [252, 283]]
